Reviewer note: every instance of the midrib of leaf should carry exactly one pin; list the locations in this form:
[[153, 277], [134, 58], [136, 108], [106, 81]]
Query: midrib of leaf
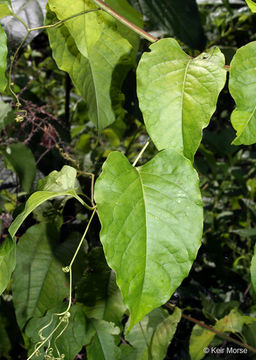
[[146, 232], [182, 99], [85, 37], [95, 91]]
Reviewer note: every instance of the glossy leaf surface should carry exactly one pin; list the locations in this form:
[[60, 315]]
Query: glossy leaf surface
[[90, 49], [149, 340], [7, 261], [31, 12], [57, 183], [20, 159], [242, 86], [151, 220], [201, 338], [3, 59], [39, 282], [103, 345], [178, 94]]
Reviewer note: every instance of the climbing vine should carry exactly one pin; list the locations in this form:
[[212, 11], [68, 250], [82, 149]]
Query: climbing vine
[[150, 208]]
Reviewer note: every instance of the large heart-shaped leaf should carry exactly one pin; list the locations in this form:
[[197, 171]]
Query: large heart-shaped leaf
[[3, 59], [178, 94], [151, 220], [149, 340], [242, 86]]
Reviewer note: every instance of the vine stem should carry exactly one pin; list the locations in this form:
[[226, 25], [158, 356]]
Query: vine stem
[[69, 270], [82, 239], [45, 341], [141, 152], [212, 329], [124, 21], [18, 104], [58, 23]]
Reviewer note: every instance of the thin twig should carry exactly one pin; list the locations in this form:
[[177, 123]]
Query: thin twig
[[212, 329], [58, 23], [126, 22]]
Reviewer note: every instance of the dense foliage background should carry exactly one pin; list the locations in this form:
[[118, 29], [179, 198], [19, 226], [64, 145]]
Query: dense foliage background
[[56, 131]]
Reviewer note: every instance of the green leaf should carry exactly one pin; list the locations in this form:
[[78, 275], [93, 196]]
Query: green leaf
[[5, 8], [180, 17], [98, 291], [242, 86], [252, 5], [7, 262], [103, 345], [201, 338], [73, 338], [20, 159], [151, 220], [253, 269], [3, 58], [60, 183], [90, 49], [178, 94], [149, 340], [39, 282]]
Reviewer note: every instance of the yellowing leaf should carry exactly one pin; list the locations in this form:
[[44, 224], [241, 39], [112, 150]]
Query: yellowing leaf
[[252, 5], [5, 8]]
